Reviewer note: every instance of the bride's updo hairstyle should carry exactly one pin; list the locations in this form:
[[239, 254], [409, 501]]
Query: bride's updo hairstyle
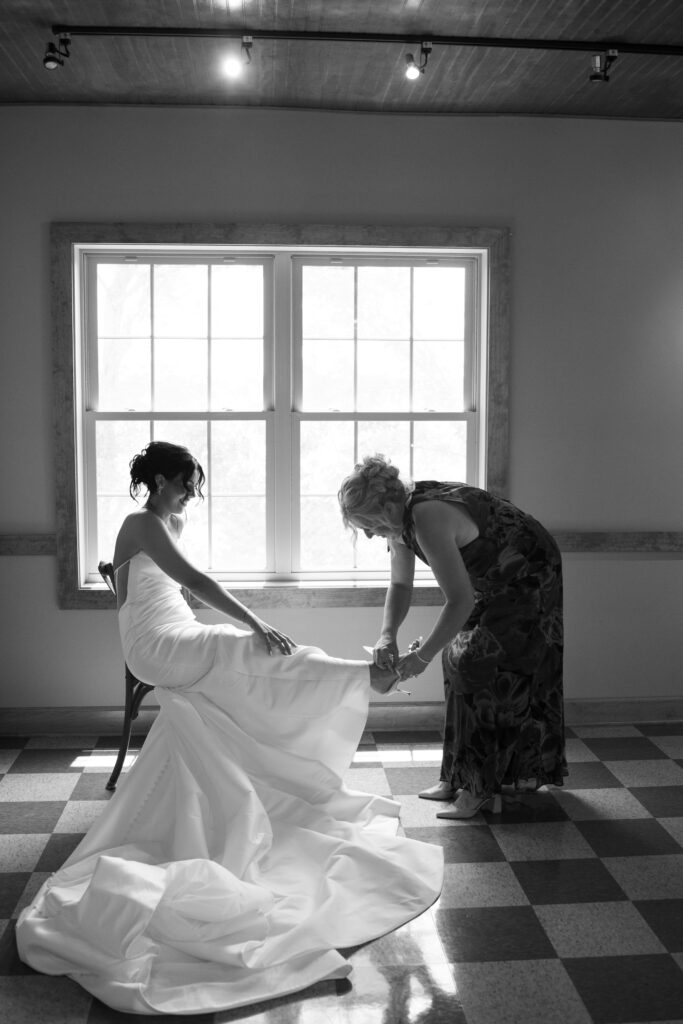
[[167, 459], [364, 494]]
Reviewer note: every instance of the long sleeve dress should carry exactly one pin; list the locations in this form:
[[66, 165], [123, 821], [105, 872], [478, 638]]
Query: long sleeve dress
[[504, 712], [232, 863]]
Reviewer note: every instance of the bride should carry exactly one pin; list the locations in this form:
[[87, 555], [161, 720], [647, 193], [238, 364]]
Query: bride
[[232, 864]]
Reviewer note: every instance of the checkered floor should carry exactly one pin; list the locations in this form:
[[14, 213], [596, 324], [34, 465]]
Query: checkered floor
[[567, 907]]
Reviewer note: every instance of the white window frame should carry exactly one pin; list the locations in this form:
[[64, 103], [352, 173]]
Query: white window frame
[[86, 260], [486, 253], [475, 262]]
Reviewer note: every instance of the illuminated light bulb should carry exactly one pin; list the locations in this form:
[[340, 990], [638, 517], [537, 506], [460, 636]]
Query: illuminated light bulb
[[232, 67], [412, 70], [52, 59]]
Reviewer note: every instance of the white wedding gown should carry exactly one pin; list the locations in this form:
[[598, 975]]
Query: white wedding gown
[[231, 864]]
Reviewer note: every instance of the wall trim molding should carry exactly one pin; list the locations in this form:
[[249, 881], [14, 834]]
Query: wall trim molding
[[28, 544], [102, 721], [654, 542]]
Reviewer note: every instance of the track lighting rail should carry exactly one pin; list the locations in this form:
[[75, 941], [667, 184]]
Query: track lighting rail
[[603, 55], [593, 46]]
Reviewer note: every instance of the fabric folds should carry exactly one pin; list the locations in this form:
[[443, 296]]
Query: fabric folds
[[232, 863]]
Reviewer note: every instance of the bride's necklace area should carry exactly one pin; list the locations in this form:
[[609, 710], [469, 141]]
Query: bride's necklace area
[[159, 515]]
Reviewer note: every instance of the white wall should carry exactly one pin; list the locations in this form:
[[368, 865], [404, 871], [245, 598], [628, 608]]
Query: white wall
[[596, 211]]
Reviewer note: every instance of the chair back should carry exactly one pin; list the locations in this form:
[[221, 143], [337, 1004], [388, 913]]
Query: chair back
[[135, 690], [106, 570]]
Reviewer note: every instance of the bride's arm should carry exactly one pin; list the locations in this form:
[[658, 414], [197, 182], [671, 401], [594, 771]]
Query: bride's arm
[[177, 525], [154, 539]]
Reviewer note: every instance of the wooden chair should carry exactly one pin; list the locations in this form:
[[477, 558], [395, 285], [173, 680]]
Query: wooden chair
[[135, 690]]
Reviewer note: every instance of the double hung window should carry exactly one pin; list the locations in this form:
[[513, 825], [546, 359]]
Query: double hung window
[[279, 367]]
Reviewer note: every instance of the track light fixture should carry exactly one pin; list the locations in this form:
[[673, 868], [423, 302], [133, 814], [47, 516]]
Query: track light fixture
[[414, 70], [603, 53], [233, 66], [600, 65], [56, 55]]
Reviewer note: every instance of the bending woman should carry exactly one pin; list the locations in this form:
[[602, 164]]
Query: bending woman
[[232, 863], [500, 628]]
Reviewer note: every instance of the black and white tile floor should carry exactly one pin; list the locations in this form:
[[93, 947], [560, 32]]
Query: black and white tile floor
[[567, 907]]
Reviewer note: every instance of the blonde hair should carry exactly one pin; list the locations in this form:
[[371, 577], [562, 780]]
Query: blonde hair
[[365, 492]]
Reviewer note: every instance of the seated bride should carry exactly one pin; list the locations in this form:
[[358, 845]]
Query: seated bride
[[233, 863]]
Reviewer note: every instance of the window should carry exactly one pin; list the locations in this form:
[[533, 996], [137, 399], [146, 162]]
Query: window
[[279, 366]]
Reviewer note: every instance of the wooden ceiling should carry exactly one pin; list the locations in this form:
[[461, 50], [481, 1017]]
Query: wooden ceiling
[[351, 75]]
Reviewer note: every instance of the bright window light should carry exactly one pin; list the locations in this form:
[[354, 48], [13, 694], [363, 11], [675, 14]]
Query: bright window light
[[103, 761], [397, 756], [365, 756]]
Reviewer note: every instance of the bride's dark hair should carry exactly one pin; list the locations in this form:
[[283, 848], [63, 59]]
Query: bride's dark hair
[[365, 492], [167, 459]]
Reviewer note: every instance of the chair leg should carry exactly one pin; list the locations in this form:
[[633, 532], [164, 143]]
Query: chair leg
[[125, 737], [141, 691]]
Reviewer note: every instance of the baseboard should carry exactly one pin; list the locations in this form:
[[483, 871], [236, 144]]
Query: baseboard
[[99, 721], [629, 712], [95, 721], [393, 715], [429, 715]]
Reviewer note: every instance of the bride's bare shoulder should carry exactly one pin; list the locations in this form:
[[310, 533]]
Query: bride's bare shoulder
[[137, 521], [132, 534]]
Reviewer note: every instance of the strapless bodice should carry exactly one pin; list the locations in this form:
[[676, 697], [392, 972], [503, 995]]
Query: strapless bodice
[[153, 600]]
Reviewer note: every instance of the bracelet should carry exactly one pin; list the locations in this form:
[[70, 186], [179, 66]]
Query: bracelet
[[420, 659]]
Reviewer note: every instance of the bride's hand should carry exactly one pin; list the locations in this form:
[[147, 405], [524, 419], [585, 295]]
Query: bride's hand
[[270, 636]]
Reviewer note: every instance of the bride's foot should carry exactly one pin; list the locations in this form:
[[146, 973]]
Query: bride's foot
[[467, 805], [441, 791], [382, 680]]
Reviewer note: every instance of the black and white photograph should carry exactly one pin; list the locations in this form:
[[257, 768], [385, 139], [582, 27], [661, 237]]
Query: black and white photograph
[[341, 537]]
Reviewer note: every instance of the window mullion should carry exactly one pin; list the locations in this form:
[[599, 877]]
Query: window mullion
[[283, 470], [355, 391], [209, 406], [152, 349], [411, 427]]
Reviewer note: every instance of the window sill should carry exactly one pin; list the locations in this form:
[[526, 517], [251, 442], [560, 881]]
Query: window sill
[[318, 594]]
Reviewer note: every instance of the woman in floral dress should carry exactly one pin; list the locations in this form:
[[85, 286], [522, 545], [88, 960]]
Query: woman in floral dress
[[499, 630]]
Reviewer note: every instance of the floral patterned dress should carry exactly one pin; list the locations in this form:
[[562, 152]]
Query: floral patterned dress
[[504, 714]]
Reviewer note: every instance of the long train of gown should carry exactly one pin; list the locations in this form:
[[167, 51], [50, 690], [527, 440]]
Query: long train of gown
[[232, 863]]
